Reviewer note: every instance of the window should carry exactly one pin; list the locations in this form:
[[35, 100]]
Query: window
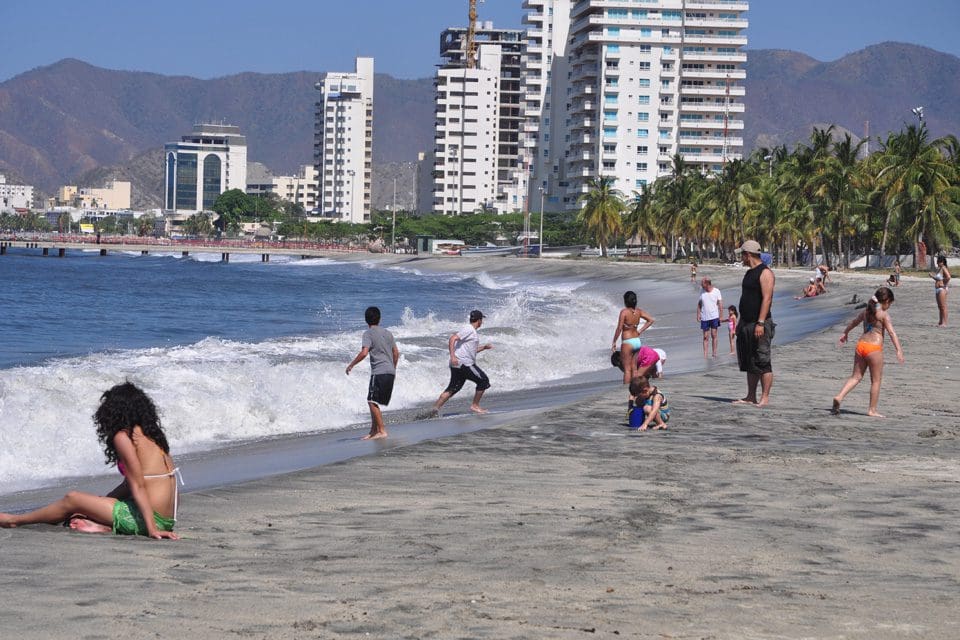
[[609, 132], [613, 31], [644, 66], [186, 181], [643, 133], [642, 150], [643, 116], [211, 180], [645, 33], [644, 83], [644, 99], [610, 116]]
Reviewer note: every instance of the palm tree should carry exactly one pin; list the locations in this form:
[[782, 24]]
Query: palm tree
[[836, 183], [640, 220], [601, 212], [921, 186]]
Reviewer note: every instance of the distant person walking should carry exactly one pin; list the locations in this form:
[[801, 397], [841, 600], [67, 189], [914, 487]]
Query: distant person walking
[[756, 329], [709, 310], [869, 353], [379, 344], [941, 284], [464, 347]]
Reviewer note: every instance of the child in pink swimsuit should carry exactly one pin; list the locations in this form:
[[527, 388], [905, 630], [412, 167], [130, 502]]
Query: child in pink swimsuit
[[732, 318]]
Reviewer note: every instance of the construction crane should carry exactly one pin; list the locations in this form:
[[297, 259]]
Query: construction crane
[[472, 35]]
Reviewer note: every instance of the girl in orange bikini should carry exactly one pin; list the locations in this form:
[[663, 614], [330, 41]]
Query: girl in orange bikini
[[869, 351]]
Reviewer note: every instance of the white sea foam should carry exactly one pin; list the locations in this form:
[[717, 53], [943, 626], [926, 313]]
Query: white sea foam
[[216, 392]]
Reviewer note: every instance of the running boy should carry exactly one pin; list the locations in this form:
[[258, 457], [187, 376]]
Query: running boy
[[464, 347], [384, 355]]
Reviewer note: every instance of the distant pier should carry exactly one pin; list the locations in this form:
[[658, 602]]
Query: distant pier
[[51, 243]]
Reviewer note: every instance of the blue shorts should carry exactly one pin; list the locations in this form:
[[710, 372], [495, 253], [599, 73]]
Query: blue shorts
[[635, 343], [706, 325]]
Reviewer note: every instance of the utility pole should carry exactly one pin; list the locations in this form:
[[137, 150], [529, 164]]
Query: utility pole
[[393, 225]]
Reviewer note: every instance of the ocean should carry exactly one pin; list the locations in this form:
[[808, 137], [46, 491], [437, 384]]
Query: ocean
[[248, 351]]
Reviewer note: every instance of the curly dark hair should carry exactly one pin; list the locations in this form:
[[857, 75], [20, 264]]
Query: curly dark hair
[[122, 408]]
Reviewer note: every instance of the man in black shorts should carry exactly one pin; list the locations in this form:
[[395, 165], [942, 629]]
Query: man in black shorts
[[464, 347], [756, 327], [384, 355]]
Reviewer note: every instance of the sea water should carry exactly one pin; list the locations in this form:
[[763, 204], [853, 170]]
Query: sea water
[[246, 351]]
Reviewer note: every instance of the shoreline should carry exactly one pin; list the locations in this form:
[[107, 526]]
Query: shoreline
[[737, 522]]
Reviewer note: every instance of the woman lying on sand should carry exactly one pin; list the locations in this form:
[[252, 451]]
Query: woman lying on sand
[[129, 429], [869, 352]]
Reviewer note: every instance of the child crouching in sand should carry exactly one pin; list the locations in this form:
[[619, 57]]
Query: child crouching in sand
[[869, 352], [649, 406]]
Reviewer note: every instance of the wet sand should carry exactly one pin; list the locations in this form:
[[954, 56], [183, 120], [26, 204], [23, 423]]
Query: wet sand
[[738, 522]]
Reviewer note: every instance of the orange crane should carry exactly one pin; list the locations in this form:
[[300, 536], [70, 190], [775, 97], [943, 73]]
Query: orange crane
[[471, 48]]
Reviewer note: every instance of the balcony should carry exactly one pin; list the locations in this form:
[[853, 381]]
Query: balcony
[[718, 5], [723, 41], [718, 23], [711, 125], [733, 107], [696, 90], [715, 74], [714, 56]]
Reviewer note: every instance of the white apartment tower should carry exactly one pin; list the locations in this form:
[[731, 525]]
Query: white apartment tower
[[644, 80], [343, 143], [478, 123]]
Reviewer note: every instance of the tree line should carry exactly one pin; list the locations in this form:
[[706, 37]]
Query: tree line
[[825, 196]]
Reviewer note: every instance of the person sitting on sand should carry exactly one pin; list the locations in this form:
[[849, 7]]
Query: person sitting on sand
[[464, 347], [384, 356], [869, 352], [649, 406], [628, 331], [809, 291], [129, 430]]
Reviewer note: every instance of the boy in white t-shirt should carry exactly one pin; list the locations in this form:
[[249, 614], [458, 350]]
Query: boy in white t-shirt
[[464, 347]]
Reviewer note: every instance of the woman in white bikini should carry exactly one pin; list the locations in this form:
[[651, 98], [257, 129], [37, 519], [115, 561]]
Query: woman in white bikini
[[941, 285], [129, 429], [628, 331]]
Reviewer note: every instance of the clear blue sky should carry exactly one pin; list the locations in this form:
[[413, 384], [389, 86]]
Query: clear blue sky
[[210, 38]]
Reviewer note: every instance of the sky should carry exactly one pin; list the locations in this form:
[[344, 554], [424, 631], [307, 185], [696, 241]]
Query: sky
[[213, 38]]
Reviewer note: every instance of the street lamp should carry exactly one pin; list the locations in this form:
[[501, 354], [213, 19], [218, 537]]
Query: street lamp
[[351, 173], [918, 111], [540, 237], [769, 159]]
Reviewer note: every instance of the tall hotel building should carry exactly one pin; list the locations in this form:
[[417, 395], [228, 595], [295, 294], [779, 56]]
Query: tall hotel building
[[479, 115], [633, 83], [343, 143], [210, 160]]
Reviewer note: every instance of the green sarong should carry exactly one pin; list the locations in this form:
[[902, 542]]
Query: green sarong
[[128, 521]]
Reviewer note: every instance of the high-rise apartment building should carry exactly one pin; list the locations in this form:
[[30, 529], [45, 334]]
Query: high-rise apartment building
[[343, 143], [14, 196], [479, 113], [639, 82], [210, 160]]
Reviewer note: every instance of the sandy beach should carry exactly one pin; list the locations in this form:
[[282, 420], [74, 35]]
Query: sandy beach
[[738, 522]]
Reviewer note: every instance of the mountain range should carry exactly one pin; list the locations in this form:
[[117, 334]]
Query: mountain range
[[71, 122]]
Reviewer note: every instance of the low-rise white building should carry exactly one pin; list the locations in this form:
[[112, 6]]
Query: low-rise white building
[[299, 189], [210, 160], [14, 196], [114, 195]]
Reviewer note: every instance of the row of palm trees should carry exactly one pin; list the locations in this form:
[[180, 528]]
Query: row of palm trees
[[825, 196]]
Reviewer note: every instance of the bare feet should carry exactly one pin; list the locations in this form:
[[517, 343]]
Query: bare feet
[[744, 401], [835, 410], [375, 436], [477, 409], [82, 524], [875, 414], [763, 402]]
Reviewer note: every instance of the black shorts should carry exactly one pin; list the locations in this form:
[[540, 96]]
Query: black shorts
[[473, 373], [754, 355], [381, 388]]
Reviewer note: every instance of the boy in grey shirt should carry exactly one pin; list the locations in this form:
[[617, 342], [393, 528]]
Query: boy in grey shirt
[[384, 355]]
